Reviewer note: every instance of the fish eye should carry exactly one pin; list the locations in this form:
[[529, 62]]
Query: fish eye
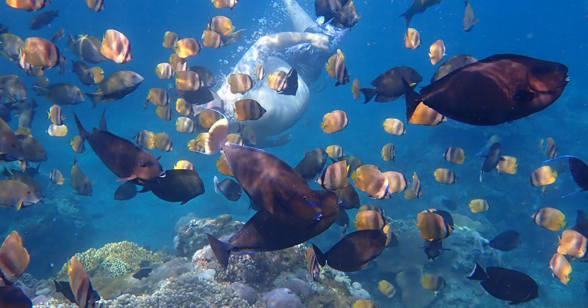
[[28, 192], [142, 163], [305, 197]]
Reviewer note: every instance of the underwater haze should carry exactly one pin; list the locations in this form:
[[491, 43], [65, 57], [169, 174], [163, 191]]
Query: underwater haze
[[263, 214]]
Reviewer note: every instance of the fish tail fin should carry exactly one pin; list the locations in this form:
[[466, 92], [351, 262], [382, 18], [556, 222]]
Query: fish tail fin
[[41, 91], [70, 41], [95, 98], [412, 99], [103, 126], [83, 132], [320, 256], [478, 273], [368, 94], [407, 18], [216, 183], [579, 171], [221, 250], [238, 35]]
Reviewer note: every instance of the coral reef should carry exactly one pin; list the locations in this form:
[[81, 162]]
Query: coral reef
[[191, 232], [115, 259]]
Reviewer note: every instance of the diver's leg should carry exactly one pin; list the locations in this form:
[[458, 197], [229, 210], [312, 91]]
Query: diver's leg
[[300, 19]]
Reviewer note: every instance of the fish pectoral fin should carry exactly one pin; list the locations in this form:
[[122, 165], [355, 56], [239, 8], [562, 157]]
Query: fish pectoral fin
[[130, 178], [524, 95]]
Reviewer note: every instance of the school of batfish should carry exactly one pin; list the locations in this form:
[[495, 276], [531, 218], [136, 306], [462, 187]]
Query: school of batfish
[[491, 91]]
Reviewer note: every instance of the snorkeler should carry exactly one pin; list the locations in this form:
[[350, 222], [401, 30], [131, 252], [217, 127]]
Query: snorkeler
[[306, 49]]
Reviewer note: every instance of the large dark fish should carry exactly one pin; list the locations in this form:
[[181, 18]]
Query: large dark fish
[[206, 76], [349, 197], [271, 183], [506, 241], [579, 171], [354, 251], [491, 159], [389, 85], [13, 297], [229, 188], [42, 19], [581, 225], [418, 6], [200, 97], [121, 156], [453, 63], [178, 185], [498, 89], [312, 164], [267, 232], [506, 284]]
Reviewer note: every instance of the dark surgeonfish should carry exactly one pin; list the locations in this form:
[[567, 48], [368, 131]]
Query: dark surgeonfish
[[349, 197], [388, 86], [506, 241], [451, 65], [229, 188], [498, 89], [418, 6], [579, 171], [78, 289], [271, 183], [352, 161], [491, 159], [206, 76], [42, 19], [126, 191], [581, 225], [343, 219], [341, 13], [506, 284], [116, 86], [354, 251], [177, 185], [86, 47], [267, 232], [121, 156], [312, 164]]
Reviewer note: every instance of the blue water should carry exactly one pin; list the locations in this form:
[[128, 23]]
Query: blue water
[[550, 30]]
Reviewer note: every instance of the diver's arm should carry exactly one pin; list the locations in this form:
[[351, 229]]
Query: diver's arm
[[287, 39]]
